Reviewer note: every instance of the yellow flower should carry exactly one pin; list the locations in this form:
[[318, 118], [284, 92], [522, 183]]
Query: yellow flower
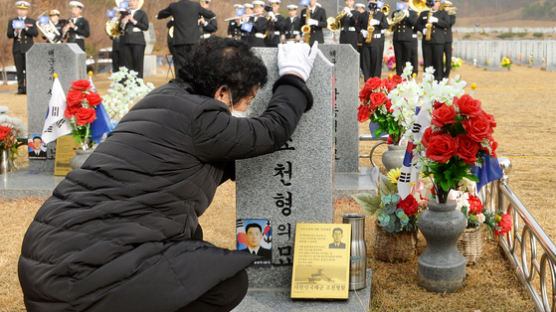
[[394, 175]]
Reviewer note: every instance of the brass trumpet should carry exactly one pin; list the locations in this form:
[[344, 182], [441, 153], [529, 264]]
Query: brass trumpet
[[334, 24], [386, 9]]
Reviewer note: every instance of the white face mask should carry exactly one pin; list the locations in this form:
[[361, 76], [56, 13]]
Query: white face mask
[[235, 113]]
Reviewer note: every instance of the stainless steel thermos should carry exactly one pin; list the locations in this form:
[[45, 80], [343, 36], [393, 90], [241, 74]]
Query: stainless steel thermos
[[358, 265]]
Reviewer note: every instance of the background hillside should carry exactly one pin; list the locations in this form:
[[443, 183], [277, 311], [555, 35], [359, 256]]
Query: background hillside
[[514, 13]]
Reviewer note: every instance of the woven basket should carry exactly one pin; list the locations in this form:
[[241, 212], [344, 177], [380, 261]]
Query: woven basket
[[470, 244], [398, 247]]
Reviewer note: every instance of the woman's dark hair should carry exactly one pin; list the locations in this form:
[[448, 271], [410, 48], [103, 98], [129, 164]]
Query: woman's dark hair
[[217, 62]]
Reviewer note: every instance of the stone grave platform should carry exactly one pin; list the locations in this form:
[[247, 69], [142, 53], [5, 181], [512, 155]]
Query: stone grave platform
[[347, 184], [25, 183], [278, 300]]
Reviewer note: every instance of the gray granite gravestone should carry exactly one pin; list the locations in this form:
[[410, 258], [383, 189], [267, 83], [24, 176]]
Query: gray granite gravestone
[[293, 184], [149, 62], [43, 60], [551, 56], [346, 88]]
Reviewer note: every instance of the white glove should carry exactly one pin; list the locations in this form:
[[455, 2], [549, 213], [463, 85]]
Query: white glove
[[406, 12], [434, 19], [424, 31], [313, 22], [348, 11], [297, 58], [375, 22], [364, 33], [272, 16]]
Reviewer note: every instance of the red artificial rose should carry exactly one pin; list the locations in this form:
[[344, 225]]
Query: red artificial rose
[[427, 137], [488, 117], [409, 205], [82, 85], [74, 97], [468, 106], [93, 98], [390, 84], [377, 99], [397, 79], [389, 105], [374, 83], [505, 225], [477, 128], [437, 105], [441, 148], [363, 114], [85, 116], [71, 110], [467, 149], [444, 115], [389, 140], [490, 147], [365, 93], [475, 205]]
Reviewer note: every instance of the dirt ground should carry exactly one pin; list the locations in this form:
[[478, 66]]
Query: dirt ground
[[522, 100]]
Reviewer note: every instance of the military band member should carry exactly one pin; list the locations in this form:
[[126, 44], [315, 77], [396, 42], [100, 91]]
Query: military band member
[[54, 16], [433, 50], [234, 26], [134, 23], [246, 25], [260, 24], [348, 24], [170, 38], [292, 25], [372, 52], [186, 27], [360, 8], [21, 29], [116, 46], [449, 38], [275, 26], [405, 38], [317, 21], [78, 27], [207, 26]]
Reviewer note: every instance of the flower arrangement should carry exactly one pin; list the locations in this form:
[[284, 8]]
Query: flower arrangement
[[456, 62], [506, 63], [80, 110], [393, 213], [390, 62], [12, 133], [459, 136], [125, 89]]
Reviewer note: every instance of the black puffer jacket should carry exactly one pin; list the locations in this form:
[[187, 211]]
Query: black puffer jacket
[[121, 234]]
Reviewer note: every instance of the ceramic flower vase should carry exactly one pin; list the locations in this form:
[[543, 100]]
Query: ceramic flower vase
[[393, 157], [441, 268], [80, 157]]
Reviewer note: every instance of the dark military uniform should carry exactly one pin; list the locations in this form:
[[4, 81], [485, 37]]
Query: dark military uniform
[[234, 30], [292, 26], [115, 54], [319, 14], [260, 26], [372, 53], [275, 30], [80, 32], [348, 34], [448, 45], [133, 43], [405, 42], [21, 44], [433, 50], [208, 29]]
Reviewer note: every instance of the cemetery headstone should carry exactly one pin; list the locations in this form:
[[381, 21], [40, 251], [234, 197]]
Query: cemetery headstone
[[293, 184], [43, 60], [346, 89], [149, 62]]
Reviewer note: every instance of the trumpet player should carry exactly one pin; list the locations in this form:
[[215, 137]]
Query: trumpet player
[[316, 22], [292, 25], [434, 21], [276, 25], [447, 5], [22, 30], [405, 36], [207, 26], [372, 26], [234, 26], [77, 28], [348, 24]]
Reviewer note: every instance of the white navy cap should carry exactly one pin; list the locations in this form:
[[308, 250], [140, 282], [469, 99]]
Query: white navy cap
[[207, 1], [238, 6], [359, 5], [292, 7], [258, 2], [274, 1], [54, 12], [248, 6], [76, 4], [22, 4], [446, 2]]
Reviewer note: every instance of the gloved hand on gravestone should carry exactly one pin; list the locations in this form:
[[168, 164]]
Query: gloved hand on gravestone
[[297, 59]]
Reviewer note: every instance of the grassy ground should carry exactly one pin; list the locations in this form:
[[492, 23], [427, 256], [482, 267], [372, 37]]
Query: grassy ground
[[522, 102]]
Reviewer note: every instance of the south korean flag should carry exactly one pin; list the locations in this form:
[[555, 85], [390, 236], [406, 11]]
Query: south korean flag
[[56, 125]]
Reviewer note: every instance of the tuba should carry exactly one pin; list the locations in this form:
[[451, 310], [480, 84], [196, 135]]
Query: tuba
[[386, 9], [418, 5], [48, 29], [306, 29], [112, 28], [334, 24]]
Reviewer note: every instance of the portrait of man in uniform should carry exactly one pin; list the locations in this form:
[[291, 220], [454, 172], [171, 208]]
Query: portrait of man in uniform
[[337, 234]]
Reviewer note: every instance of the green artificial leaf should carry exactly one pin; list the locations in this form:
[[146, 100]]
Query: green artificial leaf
[[370, 204], [384, 219], [389, 208], [386, 186], [390, 199]]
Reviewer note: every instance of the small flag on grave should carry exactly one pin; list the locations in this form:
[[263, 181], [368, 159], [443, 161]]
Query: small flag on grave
[[56, 124]]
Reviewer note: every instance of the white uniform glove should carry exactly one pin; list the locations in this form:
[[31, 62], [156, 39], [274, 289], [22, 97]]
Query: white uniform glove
[[348, 12], [272, 16], [406, 12], [375, 22], [424, 31], [434, 19], [364, 33], [297, 58], [312, 22]]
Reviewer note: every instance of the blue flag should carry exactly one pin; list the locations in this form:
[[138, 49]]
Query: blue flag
[[489, 171], [101, 125]]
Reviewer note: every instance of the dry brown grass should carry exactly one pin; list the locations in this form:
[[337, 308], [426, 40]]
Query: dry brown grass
[[520, 100]]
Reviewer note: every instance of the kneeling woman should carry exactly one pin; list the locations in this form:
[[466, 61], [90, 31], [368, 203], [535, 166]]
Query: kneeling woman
[[122, 232]]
